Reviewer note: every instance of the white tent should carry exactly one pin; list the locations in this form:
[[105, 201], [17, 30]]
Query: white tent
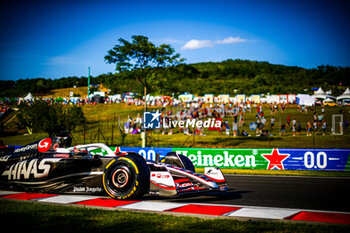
[[28, 97], [345, 95], [321, 94], [328, 100], [320, 91], [303, 99], [272, 99]]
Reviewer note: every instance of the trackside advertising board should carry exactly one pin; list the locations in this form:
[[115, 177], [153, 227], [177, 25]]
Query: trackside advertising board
[[268, 159]]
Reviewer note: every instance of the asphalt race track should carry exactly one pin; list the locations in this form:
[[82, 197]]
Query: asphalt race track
[[331, 194]]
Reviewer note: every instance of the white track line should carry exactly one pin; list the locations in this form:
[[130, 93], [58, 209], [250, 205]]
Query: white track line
[[4, 193], [153, 206], [262, 213], [67, 199]]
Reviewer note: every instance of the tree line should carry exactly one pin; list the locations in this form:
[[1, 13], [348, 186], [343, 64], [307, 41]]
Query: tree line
[[41, 116], [226, 77]]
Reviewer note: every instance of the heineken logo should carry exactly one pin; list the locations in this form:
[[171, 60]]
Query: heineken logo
[[224, 159], [236, 158]]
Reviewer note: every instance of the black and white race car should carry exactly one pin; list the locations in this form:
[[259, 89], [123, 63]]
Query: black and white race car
[[50, 166]]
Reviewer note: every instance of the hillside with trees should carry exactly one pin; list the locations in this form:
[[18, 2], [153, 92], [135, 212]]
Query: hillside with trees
[[226, 77]]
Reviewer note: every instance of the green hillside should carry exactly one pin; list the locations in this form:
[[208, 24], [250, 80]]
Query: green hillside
[[251, 77], [229, 77]]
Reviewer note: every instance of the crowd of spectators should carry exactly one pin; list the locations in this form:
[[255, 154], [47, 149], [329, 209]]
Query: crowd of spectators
[[231, 115], [3, 110]]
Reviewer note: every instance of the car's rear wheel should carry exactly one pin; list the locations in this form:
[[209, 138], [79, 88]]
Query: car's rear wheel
[[127, 177]]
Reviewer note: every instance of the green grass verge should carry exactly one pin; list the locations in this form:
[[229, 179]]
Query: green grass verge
[[36, 217]]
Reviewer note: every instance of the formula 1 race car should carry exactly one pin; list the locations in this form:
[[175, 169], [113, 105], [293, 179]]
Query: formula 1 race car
[[50, 166]]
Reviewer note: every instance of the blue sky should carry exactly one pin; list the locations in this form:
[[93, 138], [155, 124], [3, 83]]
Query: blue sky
[[54, 39]]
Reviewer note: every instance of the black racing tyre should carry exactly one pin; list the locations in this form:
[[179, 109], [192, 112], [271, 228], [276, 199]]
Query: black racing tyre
[[127, 177], [187, 162]]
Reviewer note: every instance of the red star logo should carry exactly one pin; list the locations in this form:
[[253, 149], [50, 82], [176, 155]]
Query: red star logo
[[275, 159]]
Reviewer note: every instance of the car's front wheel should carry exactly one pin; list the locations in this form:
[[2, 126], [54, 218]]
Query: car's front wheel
[[127, 177]]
